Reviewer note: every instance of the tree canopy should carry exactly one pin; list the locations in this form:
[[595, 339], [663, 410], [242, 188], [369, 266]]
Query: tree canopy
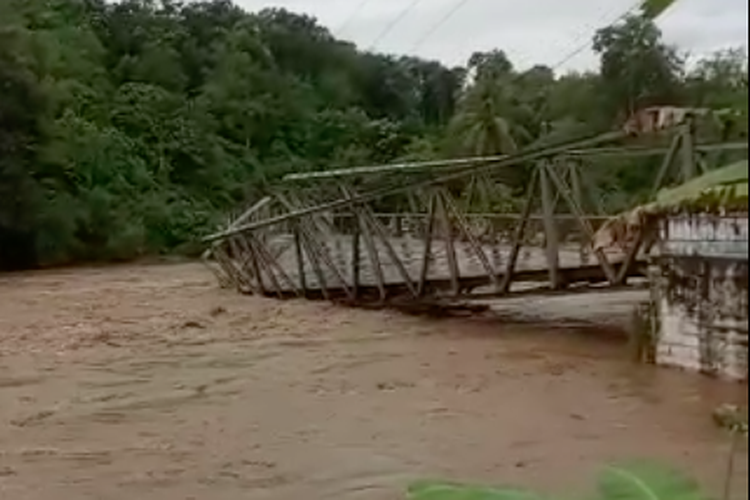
[[129, 128]]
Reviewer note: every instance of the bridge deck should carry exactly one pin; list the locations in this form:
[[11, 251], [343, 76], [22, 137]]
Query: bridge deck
[[333, 271]]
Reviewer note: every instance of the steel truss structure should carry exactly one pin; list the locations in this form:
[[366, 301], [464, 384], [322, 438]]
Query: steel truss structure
[[420, 232]]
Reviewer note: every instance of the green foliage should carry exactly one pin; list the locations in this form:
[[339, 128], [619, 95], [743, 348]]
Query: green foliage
[[646, 481], [130, 127], [724, 188], [637, 68], [635, 481], [444, 491]]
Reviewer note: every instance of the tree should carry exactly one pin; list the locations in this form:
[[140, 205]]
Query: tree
[[482, 125], [720, 82], [21, 132], [130, 127], [637, 68]]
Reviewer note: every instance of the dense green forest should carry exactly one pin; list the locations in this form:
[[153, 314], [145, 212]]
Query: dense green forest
[[129, 128]]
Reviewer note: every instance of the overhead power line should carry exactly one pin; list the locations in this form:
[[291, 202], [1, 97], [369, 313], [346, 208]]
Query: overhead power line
[[405, 12], [455, 9], [585, 45], [348, 21], [573, 54], [447, 17]]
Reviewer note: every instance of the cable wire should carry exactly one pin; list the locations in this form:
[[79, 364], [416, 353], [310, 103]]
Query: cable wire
[[447, 17], [348, 21], [405, 12], [572, 55], [585, 45]]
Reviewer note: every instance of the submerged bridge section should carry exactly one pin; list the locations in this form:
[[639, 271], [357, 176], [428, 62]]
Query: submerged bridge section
[[444, 230]]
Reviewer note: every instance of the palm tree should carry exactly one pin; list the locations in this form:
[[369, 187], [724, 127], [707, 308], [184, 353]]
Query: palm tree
[[479, 128]]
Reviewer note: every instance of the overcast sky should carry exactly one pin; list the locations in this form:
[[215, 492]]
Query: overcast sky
[[530, 31]]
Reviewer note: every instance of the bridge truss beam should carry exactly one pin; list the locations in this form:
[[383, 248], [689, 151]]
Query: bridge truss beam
[[434, 231]]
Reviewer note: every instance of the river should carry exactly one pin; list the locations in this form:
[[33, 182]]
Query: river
[[149, 382]]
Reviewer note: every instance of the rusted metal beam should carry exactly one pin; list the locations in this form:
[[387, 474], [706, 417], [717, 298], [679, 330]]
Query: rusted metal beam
[[272, 263], [523, 157], [450, 248], [666, 165], [417, 167], [578, 212], [427, 254], [550, 226], [251, 211], [300, 258], [473, 243], [321, 251], [518, 236], [689, 167]]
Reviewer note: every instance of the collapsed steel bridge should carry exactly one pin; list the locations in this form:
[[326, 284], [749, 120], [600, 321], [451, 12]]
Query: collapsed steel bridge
[[420, 232]]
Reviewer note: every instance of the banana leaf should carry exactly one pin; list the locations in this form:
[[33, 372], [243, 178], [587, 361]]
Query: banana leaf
[[428, 490], [647, 481], [726, 187], [642, 480]]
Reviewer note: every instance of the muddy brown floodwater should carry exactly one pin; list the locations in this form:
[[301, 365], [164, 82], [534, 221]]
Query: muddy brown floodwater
[[150, 383]]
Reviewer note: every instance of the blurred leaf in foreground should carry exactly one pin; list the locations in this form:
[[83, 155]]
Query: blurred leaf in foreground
[[647, 481], [654, 8], [447, 491]]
